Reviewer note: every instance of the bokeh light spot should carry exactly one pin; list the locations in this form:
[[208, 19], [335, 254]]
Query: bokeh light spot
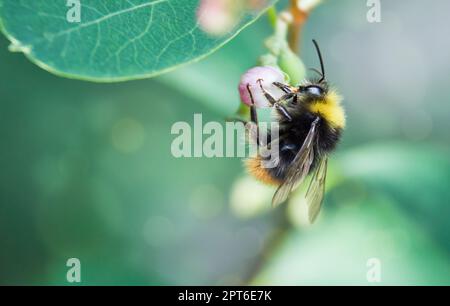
[[128, 135], [206, 202], [250, 198], [158, 231]]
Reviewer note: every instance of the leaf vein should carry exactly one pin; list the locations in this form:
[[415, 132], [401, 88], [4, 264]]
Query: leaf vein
[[108, 16]]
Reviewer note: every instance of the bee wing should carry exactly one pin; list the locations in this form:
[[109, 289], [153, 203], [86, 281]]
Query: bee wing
[[299, 167], [316, 190]]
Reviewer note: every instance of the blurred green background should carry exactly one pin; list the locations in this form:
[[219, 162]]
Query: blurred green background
[[86, 169]]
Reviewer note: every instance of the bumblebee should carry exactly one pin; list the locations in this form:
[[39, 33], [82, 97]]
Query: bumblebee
[[311, 121]]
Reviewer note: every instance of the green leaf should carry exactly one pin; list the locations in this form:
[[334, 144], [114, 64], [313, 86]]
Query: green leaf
[[217, 88], [115, 40], [417, 176]]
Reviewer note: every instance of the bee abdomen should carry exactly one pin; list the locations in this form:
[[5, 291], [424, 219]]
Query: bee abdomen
[[255, 168], [328, 139]]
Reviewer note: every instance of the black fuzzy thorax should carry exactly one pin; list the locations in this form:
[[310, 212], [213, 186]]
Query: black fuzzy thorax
[[292, 135]]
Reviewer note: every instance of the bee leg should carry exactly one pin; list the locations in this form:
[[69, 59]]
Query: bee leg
[[285, 88], [232, 119], [276, 103], [268, 96], [283, 111], [253, 114]]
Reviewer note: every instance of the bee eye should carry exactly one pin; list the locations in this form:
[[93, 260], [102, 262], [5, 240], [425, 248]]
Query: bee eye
[[314, 90]]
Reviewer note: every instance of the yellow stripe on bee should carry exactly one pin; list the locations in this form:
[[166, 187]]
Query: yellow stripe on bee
[[330, 109]]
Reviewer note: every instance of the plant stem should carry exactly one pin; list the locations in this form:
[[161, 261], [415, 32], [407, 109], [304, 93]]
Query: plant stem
[[273, 243], [272, 15], [299, 18]]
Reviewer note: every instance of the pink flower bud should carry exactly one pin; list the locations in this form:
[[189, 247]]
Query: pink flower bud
[[268, 75]]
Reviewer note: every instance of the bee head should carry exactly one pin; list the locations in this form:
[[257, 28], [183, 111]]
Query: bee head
[[316, 89]]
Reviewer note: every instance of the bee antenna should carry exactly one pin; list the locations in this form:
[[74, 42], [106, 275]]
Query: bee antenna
[[316, 71], [322, 67]]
